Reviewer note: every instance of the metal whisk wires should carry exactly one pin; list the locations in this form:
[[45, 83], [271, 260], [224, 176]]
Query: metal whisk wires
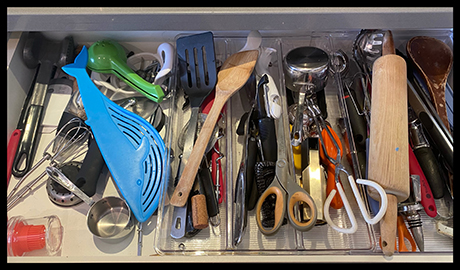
[[68, 144]]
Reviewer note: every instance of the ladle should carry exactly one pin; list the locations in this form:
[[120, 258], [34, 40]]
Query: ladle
[[433, 59]]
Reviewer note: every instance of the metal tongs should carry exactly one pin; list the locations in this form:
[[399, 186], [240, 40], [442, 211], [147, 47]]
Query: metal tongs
[[315, 111], [319, 121]]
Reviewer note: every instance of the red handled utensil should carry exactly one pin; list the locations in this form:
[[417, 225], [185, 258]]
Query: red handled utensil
[[216, 155], [427, 196], [17, 133], [11, 152]]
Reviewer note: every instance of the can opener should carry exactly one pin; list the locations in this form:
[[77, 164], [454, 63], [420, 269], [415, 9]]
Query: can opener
[[272, 96]]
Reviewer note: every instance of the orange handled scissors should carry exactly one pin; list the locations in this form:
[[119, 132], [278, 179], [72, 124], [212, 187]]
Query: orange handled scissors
[[287, 192]]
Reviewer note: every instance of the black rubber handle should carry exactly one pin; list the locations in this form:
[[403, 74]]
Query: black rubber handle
[[321, 100], [251, 190], [429, 165], [28, 143], [436, 135], [46, 72], [268, 139], [90, 169], [438, 138], [207, 186]]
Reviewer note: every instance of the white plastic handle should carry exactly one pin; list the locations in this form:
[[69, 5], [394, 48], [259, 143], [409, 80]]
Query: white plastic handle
[[274, 99], [351, 216], [165, 52], [252, 41], [362, 207], [272, 95], [359, 200]]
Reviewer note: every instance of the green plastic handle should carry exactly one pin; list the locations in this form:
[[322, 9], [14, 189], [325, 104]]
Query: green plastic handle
[[107, 56]]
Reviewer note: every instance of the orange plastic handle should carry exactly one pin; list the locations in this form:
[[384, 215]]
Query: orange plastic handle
[[300, 196], [279, 209], [337, 202], [403, 233]]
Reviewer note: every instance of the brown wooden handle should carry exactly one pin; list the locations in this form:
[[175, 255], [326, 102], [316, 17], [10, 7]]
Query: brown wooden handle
[[180, 195], [388, 226], [199, 212], [388, 46]]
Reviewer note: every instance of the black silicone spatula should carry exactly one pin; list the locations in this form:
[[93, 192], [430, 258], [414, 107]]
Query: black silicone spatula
[[198, 76]]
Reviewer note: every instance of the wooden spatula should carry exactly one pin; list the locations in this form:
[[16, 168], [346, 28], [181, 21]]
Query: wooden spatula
[[433, 59], [388, 149], [232, 76]]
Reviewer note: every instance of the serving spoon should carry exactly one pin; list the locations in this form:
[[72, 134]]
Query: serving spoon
[[433, 59]]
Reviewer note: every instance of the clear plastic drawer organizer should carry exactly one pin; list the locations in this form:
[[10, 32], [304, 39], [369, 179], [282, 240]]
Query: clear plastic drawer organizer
[[321, 239]]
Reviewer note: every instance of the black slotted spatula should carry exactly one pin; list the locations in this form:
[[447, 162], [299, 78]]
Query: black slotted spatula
[[198, 76]]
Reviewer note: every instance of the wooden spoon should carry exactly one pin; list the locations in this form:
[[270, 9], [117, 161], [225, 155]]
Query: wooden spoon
[[233, 75], [433, 59]]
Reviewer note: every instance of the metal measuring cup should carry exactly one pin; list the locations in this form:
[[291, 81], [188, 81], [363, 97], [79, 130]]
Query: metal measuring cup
[[108, 218], [305, 70]]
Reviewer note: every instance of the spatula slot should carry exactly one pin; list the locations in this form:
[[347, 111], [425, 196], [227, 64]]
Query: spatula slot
[[205, 66], [197, 68], [189, 72]]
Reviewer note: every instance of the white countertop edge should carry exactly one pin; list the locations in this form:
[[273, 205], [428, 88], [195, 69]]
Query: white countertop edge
[[377, 258]]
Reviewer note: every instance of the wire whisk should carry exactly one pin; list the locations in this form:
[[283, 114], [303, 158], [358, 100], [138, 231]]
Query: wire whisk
[[69, 143]]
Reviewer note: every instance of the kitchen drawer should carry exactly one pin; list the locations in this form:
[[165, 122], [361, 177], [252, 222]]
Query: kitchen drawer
[[79, 245]]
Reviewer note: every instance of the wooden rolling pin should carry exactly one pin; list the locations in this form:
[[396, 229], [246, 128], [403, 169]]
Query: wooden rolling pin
[[388, 149]]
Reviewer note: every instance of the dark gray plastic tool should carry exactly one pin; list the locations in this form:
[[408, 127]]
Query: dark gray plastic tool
[[47, 55], [198, 76]]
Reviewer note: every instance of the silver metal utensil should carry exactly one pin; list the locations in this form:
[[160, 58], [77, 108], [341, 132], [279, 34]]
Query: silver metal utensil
[[108, 218], [305, 70], [66, 147]]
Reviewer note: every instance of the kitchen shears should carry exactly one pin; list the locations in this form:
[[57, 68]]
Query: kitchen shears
[[287, 193]]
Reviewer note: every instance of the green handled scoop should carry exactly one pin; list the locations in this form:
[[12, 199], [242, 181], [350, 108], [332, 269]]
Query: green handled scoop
[[107, 56]]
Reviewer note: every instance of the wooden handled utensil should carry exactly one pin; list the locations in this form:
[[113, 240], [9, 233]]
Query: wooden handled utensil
[[388, 149], [433, 59], [232, 76]]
